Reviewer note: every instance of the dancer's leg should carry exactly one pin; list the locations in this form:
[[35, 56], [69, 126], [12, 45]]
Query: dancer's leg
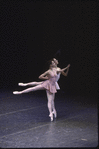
[[38, 87], [53, 106], [30, 83], [50, 98]]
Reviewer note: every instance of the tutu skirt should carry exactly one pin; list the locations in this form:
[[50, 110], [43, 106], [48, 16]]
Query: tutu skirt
[[51, 86]]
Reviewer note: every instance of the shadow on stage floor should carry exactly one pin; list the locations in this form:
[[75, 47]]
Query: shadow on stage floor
[[24, 121]]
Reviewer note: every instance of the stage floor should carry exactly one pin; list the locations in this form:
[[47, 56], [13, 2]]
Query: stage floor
[[24, 121]]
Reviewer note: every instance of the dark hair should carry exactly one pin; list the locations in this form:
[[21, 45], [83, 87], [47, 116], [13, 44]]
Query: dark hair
[[49, 62]]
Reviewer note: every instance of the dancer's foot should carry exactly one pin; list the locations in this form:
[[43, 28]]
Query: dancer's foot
[[22, 84], [16, 92], [55, 113], [51, 116]]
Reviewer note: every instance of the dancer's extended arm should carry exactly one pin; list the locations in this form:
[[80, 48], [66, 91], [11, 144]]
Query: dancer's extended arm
[[65, 68], [65, 73], [62, 70]]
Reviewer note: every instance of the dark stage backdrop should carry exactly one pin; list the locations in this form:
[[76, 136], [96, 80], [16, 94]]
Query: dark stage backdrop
[[33, 31]]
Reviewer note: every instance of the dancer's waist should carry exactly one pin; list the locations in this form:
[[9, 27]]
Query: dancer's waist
[[52, 80]]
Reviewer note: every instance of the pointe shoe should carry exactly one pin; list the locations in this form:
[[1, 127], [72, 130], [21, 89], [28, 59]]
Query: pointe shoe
[[21, 84], [16, 92], [51, 116], [55, 113]]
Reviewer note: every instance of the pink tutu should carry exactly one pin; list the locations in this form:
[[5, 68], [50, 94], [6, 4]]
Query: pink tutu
[[51, 86]]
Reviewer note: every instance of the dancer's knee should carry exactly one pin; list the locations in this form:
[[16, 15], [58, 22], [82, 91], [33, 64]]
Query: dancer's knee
[[49, 102]]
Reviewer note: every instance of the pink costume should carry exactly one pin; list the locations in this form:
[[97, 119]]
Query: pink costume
[[51, 84]]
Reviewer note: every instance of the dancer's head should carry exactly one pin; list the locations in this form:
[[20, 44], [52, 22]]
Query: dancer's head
[[51, 63], [56, 61]]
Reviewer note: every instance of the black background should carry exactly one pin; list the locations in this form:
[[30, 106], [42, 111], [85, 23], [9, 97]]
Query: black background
[[33, 31]]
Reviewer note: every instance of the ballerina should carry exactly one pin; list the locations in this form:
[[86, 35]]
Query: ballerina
[[58, 77], [50, 85]]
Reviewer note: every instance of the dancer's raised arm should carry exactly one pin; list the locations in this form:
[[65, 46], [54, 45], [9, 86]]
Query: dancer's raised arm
[[65, 68], [59, 70], [65, 73]]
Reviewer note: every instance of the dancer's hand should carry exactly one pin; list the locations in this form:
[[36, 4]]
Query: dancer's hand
[[68, 65], [22, 84]]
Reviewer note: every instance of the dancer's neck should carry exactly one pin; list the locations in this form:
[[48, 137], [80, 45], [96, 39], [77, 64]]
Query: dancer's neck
[[53, 67]]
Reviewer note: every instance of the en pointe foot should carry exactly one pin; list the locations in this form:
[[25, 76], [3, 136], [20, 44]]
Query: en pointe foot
[[51, 116], [16, 92], [22, 84], [55, 113]]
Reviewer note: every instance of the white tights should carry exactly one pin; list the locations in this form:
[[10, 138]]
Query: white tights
[[30, 89], [50, 96], [30, 83], [50, 104]]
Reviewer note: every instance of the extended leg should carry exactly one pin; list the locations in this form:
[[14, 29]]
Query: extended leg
[[38, 87], [30, 83]]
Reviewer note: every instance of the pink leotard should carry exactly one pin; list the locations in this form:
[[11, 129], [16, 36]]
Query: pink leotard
[[51, 84]]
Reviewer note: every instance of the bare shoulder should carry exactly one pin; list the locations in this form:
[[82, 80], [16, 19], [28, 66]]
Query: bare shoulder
[[58, 69], [48, 71]]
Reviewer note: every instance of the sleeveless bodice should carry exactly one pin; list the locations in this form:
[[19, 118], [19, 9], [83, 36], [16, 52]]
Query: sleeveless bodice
[[58, 76]]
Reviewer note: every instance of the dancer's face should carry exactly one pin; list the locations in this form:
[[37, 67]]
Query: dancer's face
[[53, 64], [56, 61]]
